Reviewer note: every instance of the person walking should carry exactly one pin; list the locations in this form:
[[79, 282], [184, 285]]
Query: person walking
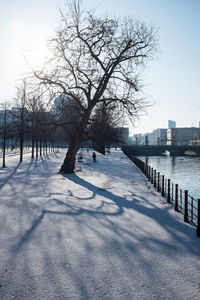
[[94, 157]]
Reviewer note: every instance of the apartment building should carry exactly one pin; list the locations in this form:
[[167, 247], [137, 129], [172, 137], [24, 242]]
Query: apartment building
[[182, 136], [158, 137]]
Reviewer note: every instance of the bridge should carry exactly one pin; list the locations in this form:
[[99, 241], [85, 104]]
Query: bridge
[[154, 150]]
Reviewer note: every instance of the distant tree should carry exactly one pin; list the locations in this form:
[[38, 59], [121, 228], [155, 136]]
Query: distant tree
[[104, 123], [97, 60], [38, 106], [20, 113], [67, 115]]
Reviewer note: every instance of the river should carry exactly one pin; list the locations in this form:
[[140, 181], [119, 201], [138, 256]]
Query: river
[[184, 170]]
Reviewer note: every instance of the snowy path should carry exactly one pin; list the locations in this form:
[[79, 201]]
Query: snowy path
[[102, 233]]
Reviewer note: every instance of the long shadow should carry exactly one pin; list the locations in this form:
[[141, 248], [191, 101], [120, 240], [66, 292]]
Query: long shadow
[[72, 212], [153, 211], [28, 233], [124, 243], [120, 201], [118, 242], [5, 180], [162, 217]]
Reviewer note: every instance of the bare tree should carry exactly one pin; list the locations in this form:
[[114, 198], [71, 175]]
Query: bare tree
[[20, 113], [37, 103], [103, 129], [97, 60]]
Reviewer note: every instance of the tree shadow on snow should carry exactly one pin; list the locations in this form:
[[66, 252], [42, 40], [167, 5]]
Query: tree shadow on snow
[[122, 241], [5, 180], [119, 204]]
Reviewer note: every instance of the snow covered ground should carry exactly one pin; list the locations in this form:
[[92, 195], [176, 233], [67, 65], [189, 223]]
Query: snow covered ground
[[13, 152], [101, 233]]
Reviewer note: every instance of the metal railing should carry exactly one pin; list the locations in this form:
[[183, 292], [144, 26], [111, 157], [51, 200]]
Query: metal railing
[[183, 202]]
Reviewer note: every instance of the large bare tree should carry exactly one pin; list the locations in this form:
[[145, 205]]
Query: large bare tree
[[97, 60]]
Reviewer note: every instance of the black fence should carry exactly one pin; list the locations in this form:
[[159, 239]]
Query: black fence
[[183, 202]]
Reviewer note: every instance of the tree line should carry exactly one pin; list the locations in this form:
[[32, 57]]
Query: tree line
[[23, 123], [33, 122]]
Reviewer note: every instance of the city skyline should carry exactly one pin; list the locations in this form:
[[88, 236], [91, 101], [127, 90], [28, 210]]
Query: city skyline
[[170, 80]]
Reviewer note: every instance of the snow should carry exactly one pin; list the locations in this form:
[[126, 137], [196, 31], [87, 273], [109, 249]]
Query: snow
[[101, 233]]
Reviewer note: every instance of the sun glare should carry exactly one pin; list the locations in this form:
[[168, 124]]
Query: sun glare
[[36, 54], [30, 45], [16, 25]]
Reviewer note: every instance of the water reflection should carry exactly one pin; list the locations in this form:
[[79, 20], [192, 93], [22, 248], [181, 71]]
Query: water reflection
[[173, 161], [184, 170]]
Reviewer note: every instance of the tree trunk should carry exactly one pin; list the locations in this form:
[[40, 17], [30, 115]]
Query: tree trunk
[[36, 145], [32, 140], [21, 147], [22, 136], [68, 165], [4, 152], [32, 147], [4, 139], [40, 147]]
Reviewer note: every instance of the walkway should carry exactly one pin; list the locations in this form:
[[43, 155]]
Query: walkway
[[102, 233]]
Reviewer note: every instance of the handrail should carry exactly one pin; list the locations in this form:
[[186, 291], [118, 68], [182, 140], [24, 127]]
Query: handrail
[[183, 202]]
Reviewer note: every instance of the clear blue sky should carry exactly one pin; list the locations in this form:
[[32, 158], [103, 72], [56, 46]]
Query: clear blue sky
[[172, 81]]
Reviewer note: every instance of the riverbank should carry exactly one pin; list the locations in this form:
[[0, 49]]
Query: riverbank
[[102, 233]]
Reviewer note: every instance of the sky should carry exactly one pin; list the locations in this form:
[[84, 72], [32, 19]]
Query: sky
[[171, 80]]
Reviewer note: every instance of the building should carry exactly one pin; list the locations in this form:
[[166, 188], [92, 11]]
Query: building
[[182, 136], [60, 103], [171, 124], [9, 116], [139, 139], [157, 137]]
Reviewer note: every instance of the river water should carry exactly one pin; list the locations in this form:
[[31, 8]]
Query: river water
[[184, 170]]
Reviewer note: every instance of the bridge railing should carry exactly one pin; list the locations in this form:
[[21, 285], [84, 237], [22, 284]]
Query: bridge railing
[[183, 202]]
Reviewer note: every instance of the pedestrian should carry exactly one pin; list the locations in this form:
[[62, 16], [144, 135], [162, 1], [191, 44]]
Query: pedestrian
[[94, 156]]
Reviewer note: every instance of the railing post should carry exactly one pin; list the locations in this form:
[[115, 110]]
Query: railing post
[[168, 191], [198, 218], [192, 203], [154, 184], [163, 185], [176, 198], [158, 187], [151, 175], [181, 199], [147, 171], [186, 207]]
